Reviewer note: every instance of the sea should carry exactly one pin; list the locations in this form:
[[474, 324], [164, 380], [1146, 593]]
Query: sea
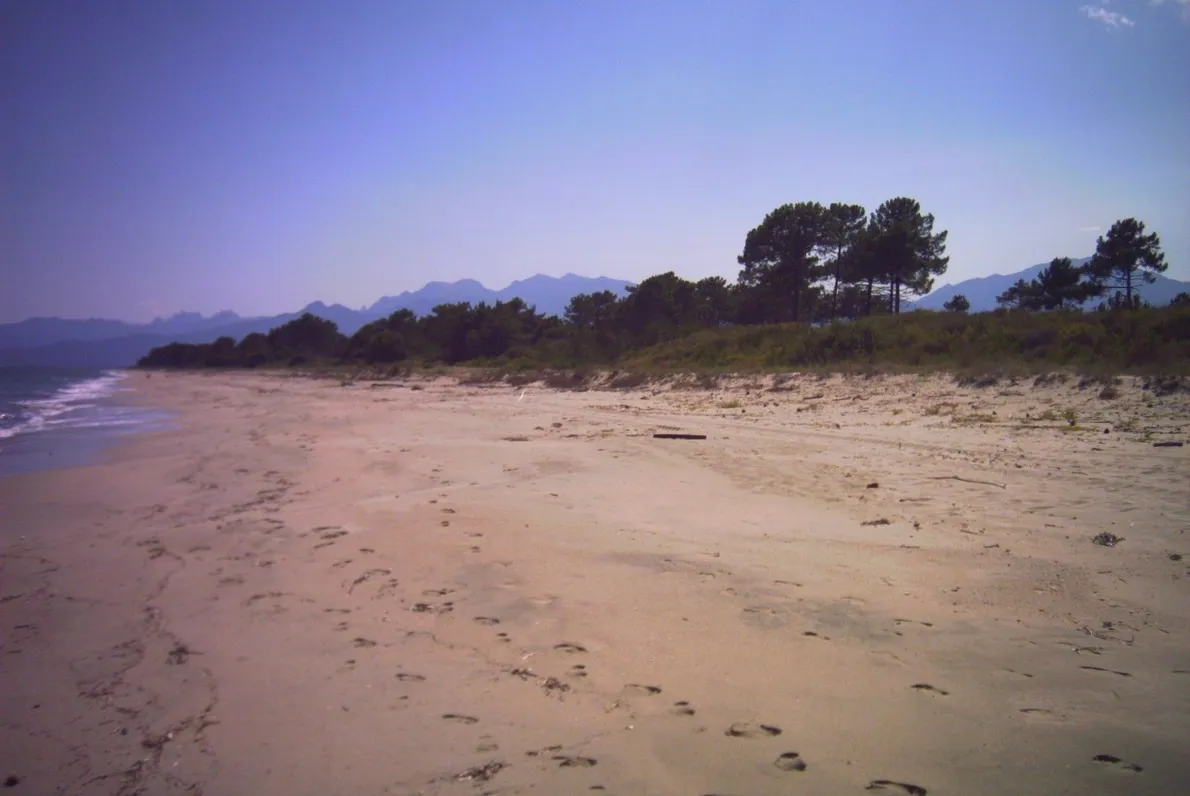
[[65, 417]]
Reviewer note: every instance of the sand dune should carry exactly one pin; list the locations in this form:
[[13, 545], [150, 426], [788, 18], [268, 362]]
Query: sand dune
[[851, 585]]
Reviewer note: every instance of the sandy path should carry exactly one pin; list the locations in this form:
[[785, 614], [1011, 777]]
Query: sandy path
[[319, 589]]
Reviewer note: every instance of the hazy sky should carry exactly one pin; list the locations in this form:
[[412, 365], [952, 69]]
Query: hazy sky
[[164, 155]]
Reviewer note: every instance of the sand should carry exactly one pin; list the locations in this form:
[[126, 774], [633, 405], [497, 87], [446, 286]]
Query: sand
[[421, 587]]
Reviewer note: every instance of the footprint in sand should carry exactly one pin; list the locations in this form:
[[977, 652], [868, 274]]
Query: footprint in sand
[[682, 708], [537, 752], [928, 687], [425, 608], [903, 787], [368, 575], [269, 603], [790, 761], [269, 595], [764, 616], [1018, 674], [749, 730], [1112, 760], [566, 761], [461, 719], [360, 641], [407, 677], [487, 620], [913, 622], [570, 646], [642, 690], [578, 670], [1110, 671]]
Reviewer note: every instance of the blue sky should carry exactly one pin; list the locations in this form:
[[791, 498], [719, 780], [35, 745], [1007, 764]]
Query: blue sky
[[255, 156]]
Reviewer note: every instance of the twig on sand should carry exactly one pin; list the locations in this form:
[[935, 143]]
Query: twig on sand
[[965, 480]]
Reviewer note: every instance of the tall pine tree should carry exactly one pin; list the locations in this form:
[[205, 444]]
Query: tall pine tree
[[779, 258], [1124, 259], [907, 250], [843, 226]]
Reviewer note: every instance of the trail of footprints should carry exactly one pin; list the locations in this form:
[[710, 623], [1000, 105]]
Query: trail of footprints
[[788, 761]]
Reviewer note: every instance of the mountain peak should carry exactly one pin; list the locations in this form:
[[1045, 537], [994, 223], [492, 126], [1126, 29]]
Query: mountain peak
[[548, 294]]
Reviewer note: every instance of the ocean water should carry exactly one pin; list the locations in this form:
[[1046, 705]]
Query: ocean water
[[64, 417]]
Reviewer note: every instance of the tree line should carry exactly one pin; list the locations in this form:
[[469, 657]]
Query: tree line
[[804, 263]]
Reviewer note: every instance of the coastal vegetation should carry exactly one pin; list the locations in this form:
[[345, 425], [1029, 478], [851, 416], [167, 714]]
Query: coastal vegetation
[[819, 286]]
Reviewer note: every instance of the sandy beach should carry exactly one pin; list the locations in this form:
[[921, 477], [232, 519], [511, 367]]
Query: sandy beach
[[851, 585]]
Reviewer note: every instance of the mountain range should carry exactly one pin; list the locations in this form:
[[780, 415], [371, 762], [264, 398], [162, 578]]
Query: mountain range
[[115, 344], [982, 291]]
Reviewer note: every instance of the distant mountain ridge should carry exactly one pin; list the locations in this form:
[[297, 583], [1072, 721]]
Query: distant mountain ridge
[[982, 291], [117, 344], [549, 294], [46, 331], [107, 343]]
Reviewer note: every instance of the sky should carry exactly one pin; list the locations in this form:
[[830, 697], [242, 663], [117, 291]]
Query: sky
[[206, 155]]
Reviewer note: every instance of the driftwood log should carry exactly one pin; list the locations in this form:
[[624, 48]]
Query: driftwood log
[[679, 436], [966, 480]]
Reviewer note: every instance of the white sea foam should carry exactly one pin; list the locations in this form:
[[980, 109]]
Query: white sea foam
[[72, 406]]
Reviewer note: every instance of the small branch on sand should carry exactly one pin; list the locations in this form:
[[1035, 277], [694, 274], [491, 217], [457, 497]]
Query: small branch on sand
[[679, 436], [965, 480]]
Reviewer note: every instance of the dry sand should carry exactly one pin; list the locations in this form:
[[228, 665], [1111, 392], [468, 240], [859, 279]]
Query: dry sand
[[426, 588]]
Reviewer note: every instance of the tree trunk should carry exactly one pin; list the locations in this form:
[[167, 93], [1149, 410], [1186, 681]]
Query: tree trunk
[[797, 298], [871, 279], [838, 273], [835, 298], [1128, 286]]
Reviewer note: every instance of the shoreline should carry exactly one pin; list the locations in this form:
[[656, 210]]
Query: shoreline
[[306, 587], [111, 418]]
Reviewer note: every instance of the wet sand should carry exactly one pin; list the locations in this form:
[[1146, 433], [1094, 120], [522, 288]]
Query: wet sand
[[421, 587]]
